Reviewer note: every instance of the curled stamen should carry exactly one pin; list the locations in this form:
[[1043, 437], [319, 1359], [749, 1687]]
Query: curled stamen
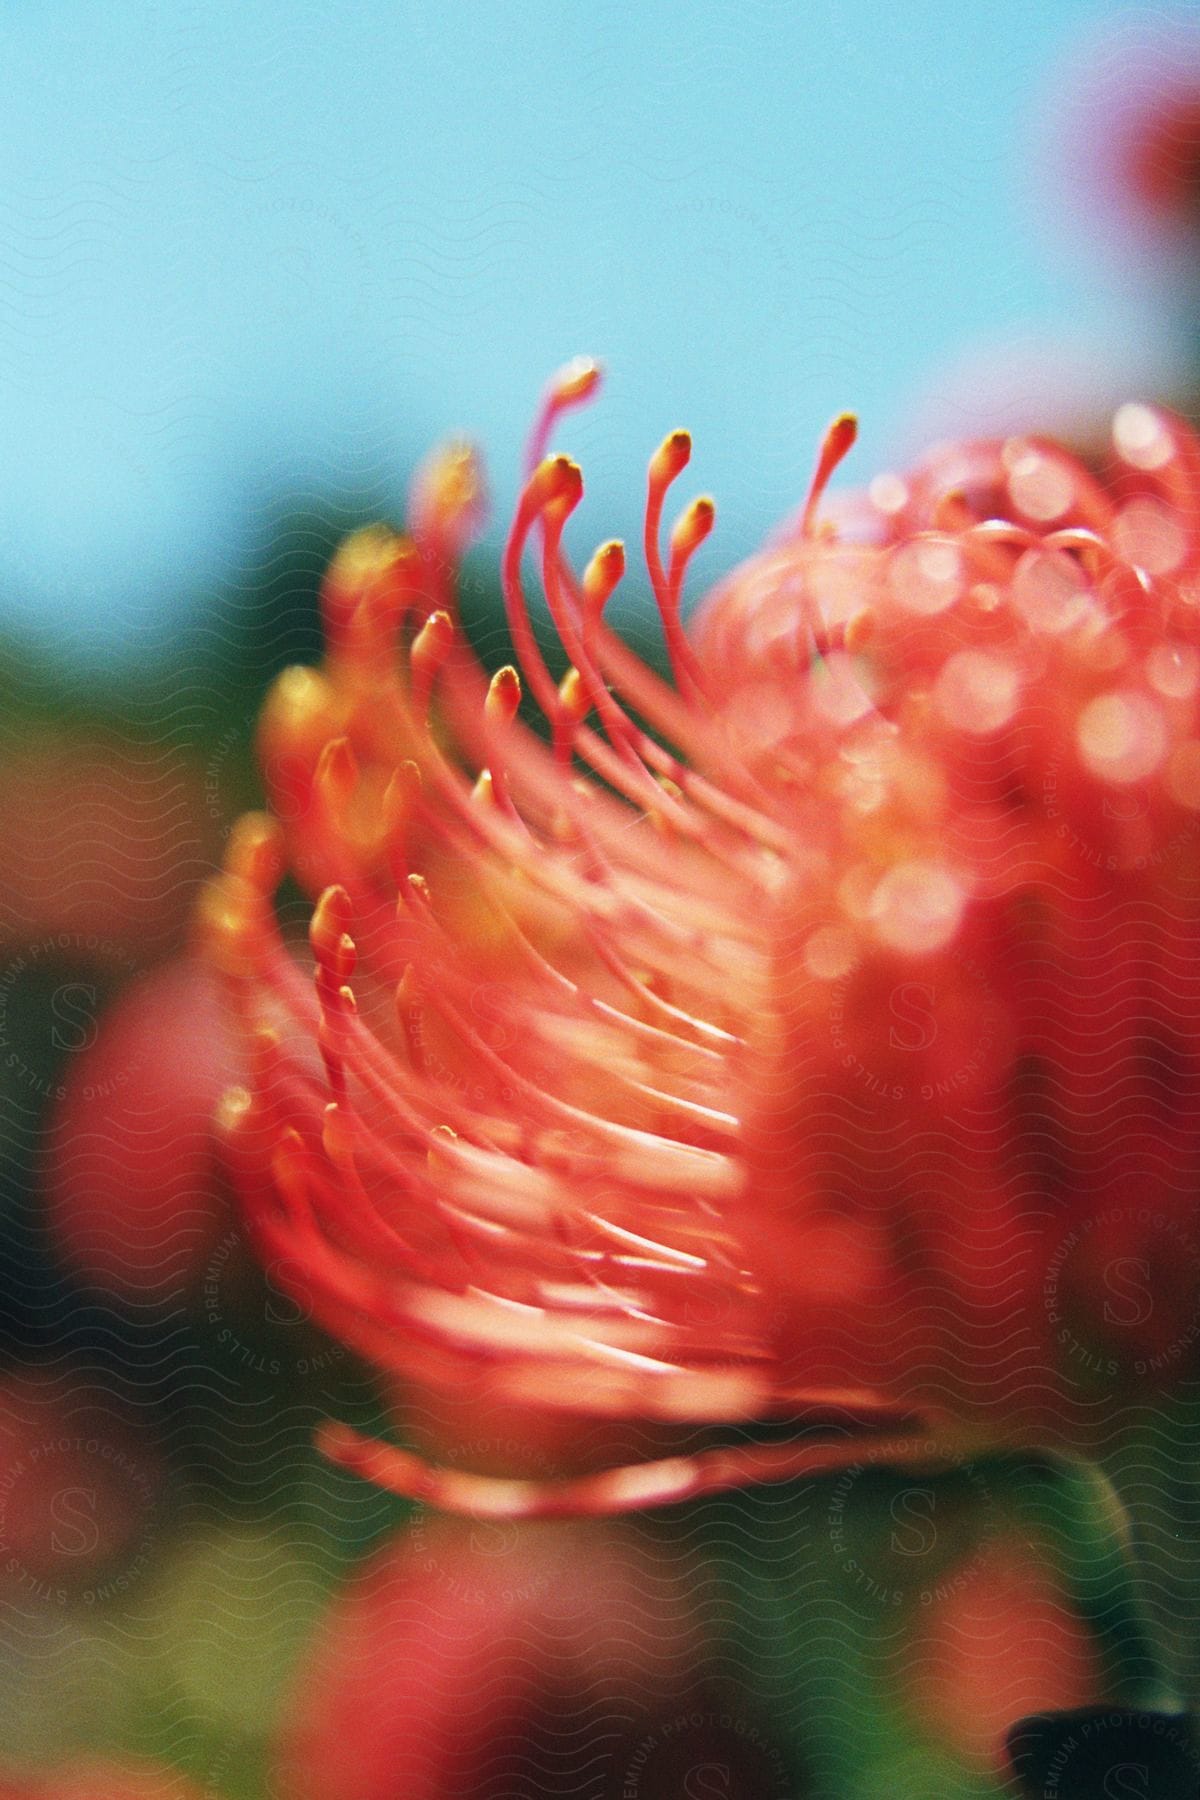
[[573, 385], [335, 954], [500, 710], [447, 505], [633, 1488], [666, 465]]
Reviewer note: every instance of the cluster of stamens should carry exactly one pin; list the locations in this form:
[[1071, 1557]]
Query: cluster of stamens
[[548, 1123]]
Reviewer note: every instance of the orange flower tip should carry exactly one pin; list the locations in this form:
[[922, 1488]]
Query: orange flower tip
[[401, 794], [842, 435], [449, 494], [671, 458], [338, 1131], [337, 772], [329, 933], [369, 559], [232, 1111], [229, 925], [576, 381], [407, 988], [287, 1165], [572, 691], [256, 851], [837, 443], [336, 1442], [556, 482], [693, 526], [265, 1052], [367, 556], [952, 511], [503, 696], [483, 793], [442, 1138], [432, 645], [418, 888], [602, 574], [298, 714]]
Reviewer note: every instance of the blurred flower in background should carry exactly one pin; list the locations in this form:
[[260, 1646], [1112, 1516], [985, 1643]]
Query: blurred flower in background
[[1131, 128], [135, 1200], [475, 1660]]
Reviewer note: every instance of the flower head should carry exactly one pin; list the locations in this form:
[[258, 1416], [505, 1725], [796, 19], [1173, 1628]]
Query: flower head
[[694, 1062]]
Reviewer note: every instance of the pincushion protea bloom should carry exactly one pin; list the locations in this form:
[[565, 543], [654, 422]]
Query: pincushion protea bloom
[[737, 1050]]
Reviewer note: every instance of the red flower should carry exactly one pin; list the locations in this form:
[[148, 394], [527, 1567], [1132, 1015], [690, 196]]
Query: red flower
[[472, 1662], [133, 1194], [82, 1485], [746, 1078], [1128, 128], [1003, 1645]]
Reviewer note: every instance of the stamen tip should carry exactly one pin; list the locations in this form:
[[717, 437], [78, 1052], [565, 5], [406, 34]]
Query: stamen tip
[[671, 457], [576, 381]]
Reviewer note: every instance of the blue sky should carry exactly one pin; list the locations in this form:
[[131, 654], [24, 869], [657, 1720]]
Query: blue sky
[[272, 250]]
